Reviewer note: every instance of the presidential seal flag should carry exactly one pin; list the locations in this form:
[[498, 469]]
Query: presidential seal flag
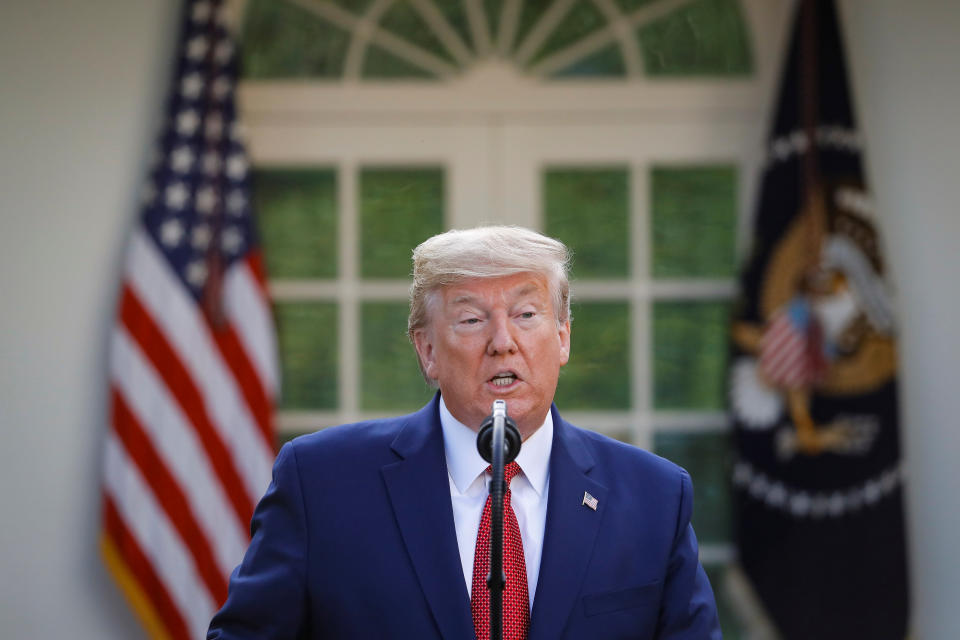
[[193, 372], [813, 389]]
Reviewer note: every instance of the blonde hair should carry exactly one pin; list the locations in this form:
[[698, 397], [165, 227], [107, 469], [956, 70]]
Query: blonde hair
[[486, 252]]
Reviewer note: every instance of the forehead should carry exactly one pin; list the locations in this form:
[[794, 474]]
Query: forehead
[[492, 291]]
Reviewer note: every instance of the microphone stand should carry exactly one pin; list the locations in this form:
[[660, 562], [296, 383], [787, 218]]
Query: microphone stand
[[499, 443]]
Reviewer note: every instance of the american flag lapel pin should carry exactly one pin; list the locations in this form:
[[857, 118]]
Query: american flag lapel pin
[[589, 501]]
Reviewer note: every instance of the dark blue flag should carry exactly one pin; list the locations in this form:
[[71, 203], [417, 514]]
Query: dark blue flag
[[818, 480]]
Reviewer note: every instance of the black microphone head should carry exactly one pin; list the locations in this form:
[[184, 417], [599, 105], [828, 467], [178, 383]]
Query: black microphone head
[[485, 439], [511, 440]]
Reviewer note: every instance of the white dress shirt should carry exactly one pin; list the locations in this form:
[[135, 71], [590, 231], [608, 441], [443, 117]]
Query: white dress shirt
[[469, 487]]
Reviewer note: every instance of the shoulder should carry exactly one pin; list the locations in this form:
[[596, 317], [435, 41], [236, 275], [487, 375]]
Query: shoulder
[[343, 438], [624, 465], [611, 451], [370, 441]]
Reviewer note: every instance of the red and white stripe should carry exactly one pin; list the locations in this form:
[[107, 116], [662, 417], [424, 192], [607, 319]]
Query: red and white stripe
[[190, 447], [789, 356]]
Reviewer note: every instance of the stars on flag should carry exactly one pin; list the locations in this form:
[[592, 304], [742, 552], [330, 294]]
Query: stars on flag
[[196, 273], [206, 200], [195, 201], [197, 48], [176, 196], [171, 232], [223, 51], [221, 88], [200, 12], [187, 122], [231, 240], [222, 16], [191, 86], [236, 202], [200, 237], [213, 126], [181, 160], [211, 163], [237, 166]]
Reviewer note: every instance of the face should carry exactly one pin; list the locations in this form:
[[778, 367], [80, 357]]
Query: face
[[495, 338]]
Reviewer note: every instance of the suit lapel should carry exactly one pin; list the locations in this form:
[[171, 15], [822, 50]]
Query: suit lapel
[[571, 531], [420, 495]]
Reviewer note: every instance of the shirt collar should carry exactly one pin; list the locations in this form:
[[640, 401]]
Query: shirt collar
[[464, 462]]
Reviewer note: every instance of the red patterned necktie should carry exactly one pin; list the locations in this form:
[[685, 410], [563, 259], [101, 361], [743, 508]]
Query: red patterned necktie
[[516, 598]]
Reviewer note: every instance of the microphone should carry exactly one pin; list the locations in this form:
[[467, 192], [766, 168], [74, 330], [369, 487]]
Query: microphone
[[511, 436], [498, 443]]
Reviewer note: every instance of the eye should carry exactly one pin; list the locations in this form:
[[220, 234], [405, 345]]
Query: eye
[[470, 321], [526, 315]]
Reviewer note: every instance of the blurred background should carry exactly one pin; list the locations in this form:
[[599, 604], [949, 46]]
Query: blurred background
[[370, 126]]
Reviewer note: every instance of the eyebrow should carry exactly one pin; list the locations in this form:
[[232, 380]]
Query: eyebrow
[[526, 289], [465, 298], [468, 298]]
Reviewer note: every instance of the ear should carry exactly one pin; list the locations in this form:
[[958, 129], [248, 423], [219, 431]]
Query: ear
[[564, 334], [424, 346]]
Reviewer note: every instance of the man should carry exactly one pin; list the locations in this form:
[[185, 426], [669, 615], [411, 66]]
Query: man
[[377, 529]]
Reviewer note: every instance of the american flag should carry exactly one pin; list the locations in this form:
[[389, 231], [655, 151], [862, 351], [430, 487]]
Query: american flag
[[193, 369], [792, 350]]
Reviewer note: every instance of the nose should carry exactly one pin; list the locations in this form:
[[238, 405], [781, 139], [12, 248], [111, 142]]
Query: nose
[[501, 339]]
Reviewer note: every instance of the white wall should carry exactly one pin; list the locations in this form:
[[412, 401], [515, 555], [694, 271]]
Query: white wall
[[79, 99], [906, 68]]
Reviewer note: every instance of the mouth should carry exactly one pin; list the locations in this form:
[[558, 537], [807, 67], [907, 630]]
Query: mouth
[[503, 380]]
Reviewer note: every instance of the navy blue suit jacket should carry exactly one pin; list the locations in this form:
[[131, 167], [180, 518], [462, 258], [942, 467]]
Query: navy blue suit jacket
[[355, 539]]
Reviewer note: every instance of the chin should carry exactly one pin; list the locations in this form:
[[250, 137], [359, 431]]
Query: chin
[[527, 420]]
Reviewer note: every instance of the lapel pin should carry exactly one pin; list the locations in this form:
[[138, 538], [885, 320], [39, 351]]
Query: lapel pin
[[589, 501]]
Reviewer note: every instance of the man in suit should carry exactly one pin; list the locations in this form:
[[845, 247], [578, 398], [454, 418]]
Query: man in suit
[[377, 529]]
